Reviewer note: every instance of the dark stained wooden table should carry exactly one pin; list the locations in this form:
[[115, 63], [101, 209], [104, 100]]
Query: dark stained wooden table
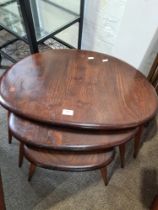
[[80, 89], [68, 139], [154, 205], [75, 89]]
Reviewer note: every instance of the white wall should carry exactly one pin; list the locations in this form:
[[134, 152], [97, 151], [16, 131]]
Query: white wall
[[101, 24], [137, 32], [124, 28]]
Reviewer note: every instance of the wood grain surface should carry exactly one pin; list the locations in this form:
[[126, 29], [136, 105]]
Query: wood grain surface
[[78, 88], [71, 161], [49, 137]]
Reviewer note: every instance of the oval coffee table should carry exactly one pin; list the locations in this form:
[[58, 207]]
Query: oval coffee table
[[79, 89], [66, 149], [69, 161], [66, 139]]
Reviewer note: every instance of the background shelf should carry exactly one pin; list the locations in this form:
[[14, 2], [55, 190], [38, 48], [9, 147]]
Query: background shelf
[[36, 21]]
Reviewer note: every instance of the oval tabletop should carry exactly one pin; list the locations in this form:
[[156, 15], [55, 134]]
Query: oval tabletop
[[53, 137], [78, 88]]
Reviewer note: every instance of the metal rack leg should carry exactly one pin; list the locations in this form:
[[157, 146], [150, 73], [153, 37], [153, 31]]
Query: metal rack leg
[[29, 24], [80, 24]]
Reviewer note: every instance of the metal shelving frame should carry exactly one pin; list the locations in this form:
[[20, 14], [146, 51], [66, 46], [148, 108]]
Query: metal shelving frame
[[31, 40]]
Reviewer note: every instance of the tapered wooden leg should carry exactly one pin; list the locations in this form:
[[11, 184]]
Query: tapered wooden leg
[[21, 154], [2, 201], [137, 141], [9, 131], [122, 154], [9, 136], [31, 171], [104, 175]]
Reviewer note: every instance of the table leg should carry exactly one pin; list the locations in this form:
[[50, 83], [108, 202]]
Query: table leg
[[9, 131], [137, 141], [104, 175], [122, 154], [2, 202], [31, 171], [21, 154]]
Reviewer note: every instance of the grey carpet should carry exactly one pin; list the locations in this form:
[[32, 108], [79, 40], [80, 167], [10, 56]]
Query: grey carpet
[[132, 188]]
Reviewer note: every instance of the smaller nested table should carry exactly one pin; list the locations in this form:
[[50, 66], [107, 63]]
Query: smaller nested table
[[69, 161], [67, 149]]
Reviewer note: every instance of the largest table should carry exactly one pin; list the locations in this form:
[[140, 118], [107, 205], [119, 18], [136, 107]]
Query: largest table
[[81, 89]]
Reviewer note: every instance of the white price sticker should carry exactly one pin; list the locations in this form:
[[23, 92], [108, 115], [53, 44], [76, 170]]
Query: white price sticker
[[90, 58], [68, 112], [105, 60]]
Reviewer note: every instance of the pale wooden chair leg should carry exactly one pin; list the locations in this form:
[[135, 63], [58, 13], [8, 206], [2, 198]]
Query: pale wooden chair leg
[[31, 171], [122, 149], [104, 175], [9, 131], [21, 154], [137, 141]]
